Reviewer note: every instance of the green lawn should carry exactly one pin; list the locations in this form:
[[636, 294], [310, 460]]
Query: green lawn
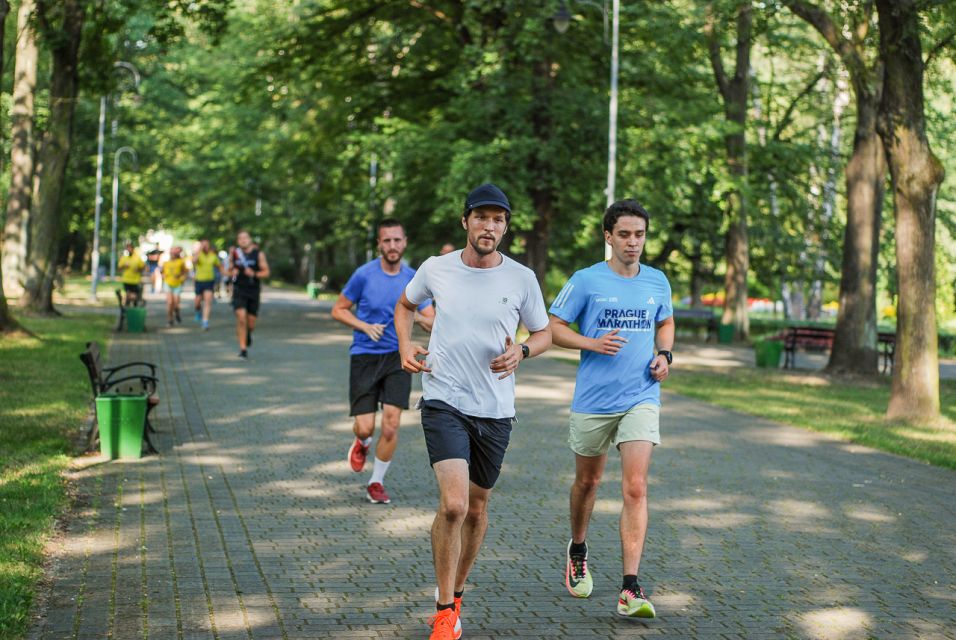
[[852, 410], [44, 393]]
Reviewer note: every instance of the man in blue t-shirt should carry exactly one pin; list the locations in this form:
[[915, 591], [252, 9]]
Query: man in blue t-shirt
[[376, 375], [625, 333]]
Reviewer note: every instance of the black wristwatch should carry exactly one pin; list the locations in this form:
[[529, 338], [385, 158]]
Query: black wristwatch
[[667, 355], [525, 351]]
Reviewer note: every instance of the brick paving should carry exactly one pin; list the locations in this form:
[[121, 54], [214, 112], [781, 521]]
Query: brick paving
[[251, 525]]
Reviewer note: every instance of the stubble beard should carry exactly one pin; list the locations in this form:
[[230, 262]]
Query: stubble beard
[[481, 251], [390, 261]]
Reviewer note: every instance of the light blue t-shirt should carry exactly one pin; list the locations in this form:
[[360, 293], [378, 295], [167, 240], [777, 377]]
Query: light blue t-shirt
[[374, 294], [599, 301]]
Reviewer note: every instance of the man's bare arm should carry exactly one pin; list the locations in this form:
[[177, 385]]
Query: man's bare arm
[[564, 336], [426, 318], [342, 311], [408, 351], [505, 364]]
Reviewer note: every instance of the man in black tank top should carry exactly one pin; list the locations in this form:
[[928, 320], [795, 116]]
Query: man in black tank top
[[247, 267]]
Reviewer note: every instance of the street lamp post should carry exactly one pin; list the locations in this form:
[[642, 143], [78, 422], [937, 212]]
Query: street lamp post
[[116, 158], [561, 21], [98, 201]]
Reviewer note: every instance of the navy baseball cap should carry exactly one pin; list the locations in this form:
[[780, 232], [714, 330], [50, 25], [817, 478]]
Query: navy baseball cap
[[485, 195]]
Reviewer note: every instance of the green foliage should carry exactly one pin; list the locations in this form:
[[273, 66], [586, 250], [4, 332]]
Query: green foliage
[[291, 104]]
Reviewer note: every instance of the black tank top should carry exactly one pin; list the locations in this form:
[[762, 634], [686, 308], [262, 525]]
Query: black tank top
[[241, 260]]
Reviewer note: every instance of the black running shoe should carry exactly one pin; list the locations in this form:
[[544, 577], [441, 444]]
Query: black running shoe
[[244, 354]]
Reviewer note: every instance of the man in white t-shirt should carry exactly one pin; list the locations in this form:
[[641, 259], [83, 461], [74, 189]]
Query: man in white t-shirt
[[468, 387]]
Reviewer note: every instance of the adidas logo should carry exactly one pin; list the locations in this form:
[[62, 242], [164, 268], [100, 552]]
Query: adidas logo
[[650, 300]]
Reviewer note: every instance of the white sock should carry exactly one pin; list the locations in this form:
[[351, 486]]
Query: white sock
[[378, 471], [367, 441]]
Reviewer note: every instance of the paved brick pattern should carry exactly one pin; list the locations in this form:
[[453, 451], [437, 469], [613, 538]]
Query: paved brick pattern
[[251, 525]]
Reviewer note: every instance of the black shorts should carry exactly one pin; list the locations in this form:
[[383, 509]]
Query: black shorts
[[245, 299], [377, 378], [205, 285], [133, 288], [482, 442]]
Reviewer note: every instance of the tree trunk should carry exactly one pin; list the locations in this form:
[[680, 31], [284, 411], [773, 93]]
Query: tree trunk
[[855, 348], [21, 155], [6, 320], [45, 213], [916, 175], [538, 239], [734, 91], [855, 342]]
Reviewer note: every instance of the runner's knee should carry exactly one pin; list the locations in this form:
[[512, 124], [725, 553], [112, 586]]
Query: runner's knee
[[453, 508], [587, 483], [635, 490]]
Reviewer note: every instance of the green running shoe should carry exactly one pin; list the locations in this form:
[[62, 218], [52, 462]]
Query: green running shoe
[[577, 578], [632, 603]]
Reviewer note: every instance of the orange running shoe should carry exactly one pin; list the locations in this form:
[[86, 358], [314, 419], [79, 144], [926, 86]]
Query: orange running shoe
[[457, 606], [445, 625], [358, 452]]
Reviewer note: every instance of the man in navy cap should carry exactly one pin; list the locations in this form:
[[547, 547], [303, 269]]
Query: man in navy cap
[[468, 390]]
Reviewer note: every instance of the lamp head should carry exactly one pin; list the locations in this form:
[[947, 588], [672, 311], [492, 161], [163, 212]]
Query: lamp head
[[561, 19]]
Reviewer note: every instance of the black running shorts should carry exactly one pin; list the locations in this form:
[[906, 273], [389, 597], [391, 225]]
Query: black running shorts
[[245, 299], [450, 434], [377, 378]]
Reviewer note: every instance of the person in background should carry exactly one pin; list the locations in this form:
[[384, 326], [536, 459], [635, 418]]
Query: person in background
[[205, 263], [248, 267], [174, 275], [131, 267], [446, 248], [376, 377]]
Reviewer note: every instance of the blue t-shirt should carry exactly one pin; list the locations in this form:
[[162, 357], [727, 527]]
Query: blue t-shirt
[[374, 294], [599, 300]]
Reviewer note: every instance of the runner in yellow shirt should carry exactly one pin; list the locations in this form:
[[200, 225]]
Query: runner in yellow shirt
[[131, 266], [204, 266], [174, 275]]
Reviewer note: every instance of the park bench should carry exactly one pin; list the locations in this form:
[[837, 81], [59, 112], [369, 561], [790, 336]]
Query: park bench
[[705, 315], [806, 338], [119, 379], [821, 339]]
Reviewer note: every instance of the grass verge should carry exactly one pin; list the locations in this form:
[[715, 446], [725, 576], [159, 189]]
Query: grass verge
[[44, 393], [849, 409]]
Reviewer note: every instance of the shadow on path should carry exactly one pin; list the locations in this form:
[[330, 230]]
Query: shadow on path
[[251, 525]]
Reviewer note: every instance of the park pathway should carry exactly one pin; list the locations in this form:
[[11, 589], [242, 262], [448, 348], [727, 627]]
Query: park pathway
[[251, 525]]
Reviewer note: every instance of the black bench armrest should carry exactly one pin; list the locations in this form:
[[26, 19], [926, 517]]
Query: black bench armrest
[[109, 371]]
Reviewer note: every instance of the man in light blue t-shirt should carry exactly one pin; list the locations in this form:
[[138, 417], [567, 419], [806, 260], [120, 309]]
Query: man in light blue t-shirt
[[626, 330], [375, 369]]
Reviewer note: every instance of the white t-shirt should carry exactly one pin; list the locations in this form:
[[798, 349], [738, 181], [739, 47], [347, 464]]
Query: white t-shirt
[[476, 309]]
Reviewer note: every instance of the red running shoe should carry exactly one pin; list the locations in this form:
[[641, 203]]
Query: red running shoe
[[358, 453], [376, 494]]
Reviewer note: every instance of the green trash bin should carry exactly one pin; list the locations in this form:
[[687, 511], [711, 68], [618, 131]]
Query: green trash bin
[[725, 333], [768, 352], [313, 289], [121, 419], [136, 319]]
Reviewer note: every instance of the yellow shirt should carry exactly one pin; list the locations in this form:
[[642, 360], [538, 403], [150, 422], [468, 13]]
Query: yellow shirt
[[203, 264], [132, 268], [174, 272]]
